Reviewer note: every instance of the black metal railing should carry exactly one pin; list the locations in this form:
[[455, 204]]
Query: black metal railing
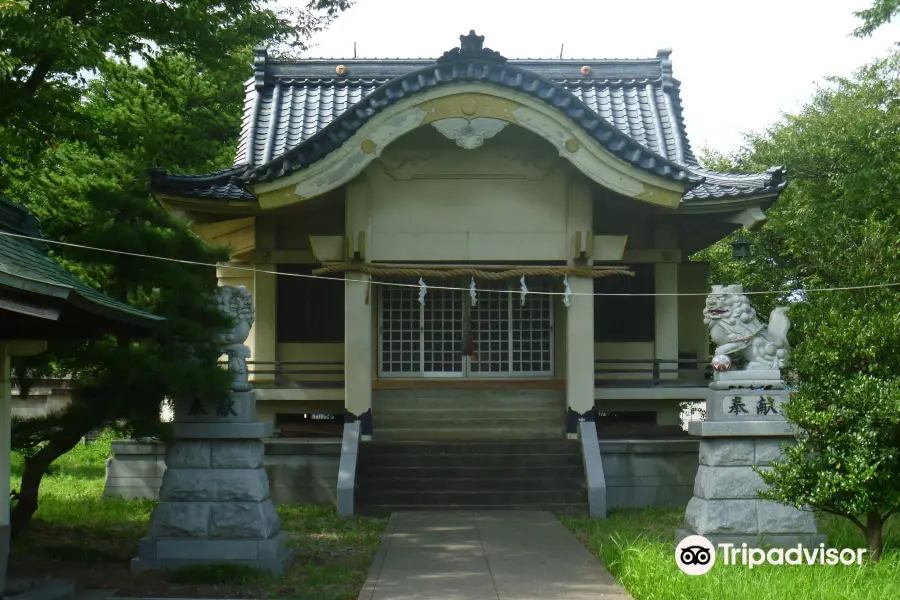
[[650, 372], [302, 373]]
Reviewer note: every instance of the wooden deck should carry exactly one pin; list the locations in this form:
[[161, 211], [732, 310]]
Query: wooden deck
[[649, 378]]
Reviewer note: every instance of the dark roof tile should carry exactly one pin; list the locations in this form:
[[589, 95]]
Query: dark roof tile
[[24, 262], [290, 104]]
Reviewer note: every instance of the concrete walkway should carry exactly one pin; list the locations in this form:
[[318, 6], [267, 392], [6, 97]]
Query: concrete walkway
[[489, 555]]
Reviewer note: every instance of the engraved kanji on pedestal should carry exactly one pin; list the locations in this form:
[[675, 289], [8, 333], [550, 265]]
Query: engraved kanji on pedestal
[[214, 503]]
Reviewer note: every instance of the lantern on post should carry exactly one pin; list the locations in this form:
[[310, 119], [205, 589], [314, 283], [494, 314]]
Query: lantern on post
[[740, 248]]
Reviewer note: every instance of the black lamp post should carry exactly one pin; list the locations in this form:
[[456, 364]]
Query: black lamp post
[[740, 248]]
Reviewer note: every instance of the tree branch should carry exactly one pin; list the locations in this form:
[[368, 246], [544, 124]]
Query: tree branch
[[845, 515], [37, 77], [28, 89]]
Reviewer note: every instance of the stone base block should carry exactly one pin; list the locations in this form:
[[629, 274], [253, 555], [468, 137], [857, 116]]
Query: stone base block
[[223, 431], [741, 428], [714, 483], [771, 540], [215, 485], [727, 452], [762, 379], [215, 520], [270, 554], [749, 519]]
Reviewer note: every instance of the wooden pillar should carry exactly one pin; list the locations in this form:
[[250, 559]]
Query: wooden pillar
[[359, 298], [580, 313], [263, 334], [358, 350], [5, 458], [7, 350], [580, 353], [665, 277]]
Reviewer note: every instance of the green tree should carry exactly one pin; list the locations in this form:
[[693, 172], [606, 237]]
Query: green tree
[[94, 193], [48, 49], [880, 13], [837, 226], [79, 126]]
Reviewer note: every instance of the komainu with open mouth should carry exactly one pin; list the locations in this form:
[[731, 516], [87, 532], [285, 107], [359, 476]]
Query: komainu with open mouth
[[735, 328]]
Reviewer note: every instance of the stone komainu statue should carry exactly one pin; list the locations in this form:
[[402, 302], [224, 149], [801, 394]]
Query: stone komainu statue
[[237, 303], [735, 328]]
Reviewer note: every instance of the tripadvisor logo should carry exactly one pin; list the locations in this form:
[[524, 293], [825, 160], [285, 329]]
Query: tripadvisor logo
[[696, 555]]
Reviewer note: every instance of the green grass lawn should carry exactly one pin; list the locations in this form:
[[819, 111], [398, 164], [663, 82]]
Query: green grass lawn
[[80, 535], [637, 546]]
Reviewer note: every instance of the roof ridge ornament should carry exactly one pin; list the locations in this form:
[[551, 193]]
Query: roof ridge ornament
[[776, 175], [471, 47], [260, 57], [664, 55]]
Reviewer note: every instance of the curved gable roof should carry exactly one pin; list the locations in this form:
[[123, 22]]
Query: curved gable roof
[[288, 102], [298, 112]]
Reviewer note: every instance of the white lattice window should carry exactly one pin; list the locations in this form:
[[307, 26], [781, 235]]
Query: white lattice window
[[532, 331], [447, 337], [401, 344], [490, 326], [442, 333]]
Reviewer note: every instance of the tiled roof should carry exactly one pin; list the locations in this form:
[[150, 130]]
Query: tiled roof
[[718, 185], [297, 112], [220, 184], [25, 265]]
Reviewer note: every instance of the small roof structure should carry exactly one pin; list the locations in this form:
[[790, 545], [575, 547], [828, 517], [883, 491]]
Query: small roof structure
[[40, 300], [297, 112]]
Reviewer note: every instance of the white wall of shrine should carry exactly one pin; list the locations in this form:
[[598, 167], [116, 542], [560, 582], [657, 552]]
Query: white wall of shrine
[[424, 199], [440, 208]]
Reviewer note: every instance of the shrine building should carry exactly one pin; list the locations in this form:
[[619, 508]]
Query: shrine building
[[513, 177]]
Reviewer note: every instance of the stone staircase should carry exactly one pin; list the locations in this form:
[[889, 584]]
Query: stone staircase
[[521, 474], [468, 414]]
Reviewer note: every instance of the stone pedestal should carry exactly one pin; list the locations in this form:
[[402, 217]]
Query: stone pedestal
[[214, 504], [744, 427]]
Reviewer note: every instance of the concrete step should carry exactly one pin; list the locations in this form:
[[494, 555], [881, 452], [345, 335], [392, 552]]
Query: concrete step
[[473, 448], [443, 412], [462, 460], [373, 481], [94, 595], [423, 420], [532, 473], [565, 471], [384, 510], [490, 431], [470, 498], [461, 418], [468, 399]]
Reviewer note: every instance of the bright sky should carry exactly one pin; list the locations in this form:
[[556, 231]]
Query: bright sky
[[740, 63]]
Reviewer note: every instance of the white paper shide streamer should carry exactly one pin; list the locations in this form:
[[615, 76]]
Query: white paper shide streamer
[[524, 291], [567, 300], [472, 292], [423, 289]]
